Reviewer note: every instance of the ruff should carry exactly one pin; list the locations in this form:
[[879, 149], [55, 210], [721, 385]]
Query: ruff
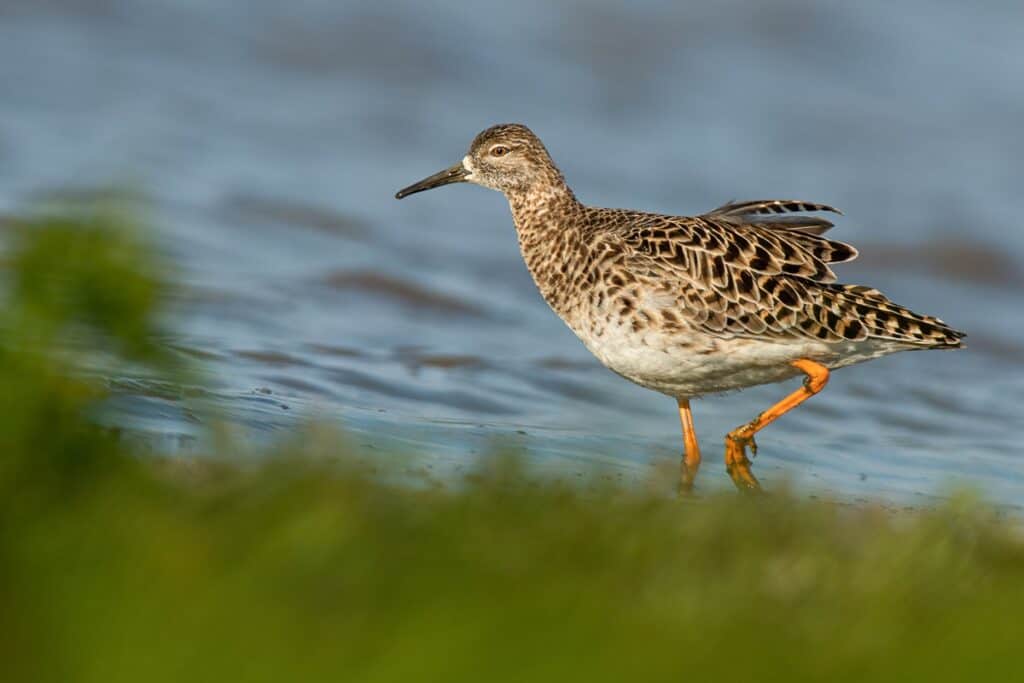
[[739, 296]]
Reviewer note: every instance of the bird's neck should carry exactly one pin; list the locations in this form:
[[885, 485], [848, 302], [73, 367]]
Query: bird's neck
[[547, 220], [542, 206]]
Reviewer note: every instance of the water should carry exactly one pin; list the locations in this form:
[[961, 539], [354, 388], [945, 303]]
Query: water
[[271, 138]]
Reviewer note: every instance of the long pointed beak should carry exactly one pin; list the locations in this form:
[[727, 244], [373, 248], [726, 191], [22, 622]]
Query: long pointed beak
[[455, 174]]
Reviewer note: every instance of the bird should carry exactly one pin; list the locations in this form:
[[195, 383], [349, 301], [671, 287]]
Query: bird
[[691, 306]]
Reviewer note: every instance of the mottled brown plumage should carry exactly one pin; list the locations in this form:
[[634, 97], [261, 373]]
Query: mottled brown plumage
[[738, 296]]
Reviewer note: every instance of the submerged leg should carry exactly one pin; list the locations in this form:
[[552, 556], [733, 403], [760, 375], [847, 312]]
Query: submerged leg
[[690, 463], [736, 441]]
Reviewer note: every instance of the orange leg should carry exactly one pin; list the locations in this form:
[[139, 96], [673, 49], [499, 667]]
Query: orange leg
[[736, 441], [690, 463]]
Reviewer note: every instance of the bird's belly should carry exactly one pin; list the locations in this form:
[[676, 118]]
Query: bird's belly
[[691, 364]]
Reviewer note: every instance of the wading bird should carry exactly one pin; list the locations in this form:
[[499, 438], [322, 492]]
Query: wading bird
[[688, 306]]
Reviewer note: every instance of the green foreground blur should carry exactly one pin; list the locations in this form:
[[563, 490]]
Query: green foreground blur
[[116, 567]]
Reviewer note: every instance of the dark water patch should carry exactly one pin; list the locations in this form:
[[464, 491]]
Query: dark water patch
[[572, 390], [559, 363], [274, 358], [404, 292], [302, 386], [335, 350], [944, 402], [448, 362], [916, 426], [248, 208], [948, 258], [459, 399], [862, 390], [416, 359]]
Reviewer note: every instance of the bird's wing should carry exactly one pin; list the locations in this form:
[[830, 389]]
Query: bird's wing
[[748, 280]]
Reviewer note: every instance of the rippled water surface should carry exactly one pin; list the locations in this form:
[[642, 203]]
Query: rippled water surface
[[271, 137]]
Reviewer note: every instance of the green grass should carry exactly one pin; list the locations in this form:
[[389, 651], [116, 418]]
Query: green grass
[[115, 567]]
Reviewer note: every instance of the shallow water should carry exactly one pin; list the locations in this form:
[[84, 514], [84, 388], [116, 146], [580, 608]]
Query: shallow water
[[271, 138]]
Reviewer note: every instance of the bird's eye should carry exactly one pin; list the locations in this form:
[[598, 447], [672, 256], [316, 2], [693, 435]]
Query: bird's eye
[[499, 150]]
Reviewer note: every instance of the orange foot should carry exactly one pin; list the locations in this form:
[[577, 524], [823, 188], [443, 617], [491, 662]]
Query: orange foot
[[736, 462], [736, 441]]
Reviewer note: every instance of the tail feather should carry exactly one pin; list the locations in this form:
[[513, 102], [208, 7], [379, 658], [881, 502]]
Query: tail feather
[[806, 225], [769, 206], [805, 231], [860, 312], [767, 213]]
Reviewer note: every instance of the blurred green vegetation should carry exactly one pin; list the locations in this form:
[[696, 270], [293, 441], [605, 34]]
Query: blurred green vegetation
[[115, 567]]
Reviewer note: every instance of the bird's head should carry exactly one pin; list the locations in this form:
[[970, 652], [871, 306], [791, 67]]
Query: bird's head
[[507, 157]]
